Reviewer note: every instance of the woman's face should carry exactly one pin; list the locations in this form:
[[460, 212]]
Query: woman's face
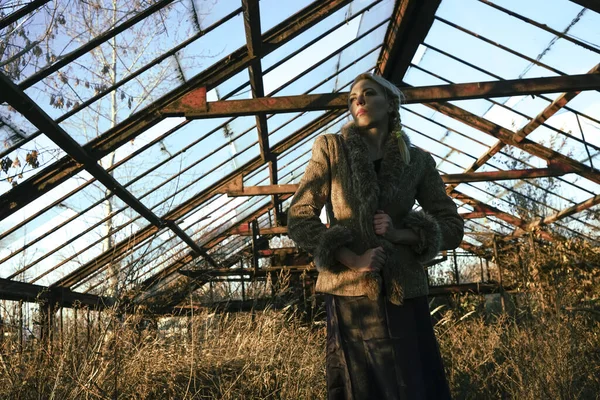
[[368, 104]]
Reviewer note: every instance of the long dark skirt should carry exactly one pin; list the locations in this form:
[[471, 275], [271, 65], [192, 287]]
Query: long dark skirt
[[376, 350]]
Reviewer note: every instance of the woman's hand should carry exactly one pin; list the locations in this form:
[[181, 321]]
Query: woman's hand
[[371, 260], [383, 226]]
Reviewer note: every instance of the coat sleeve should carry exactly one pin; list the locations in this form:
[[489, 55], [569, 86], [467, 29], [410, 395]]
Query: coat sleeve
[[304, 225], [438, 224]]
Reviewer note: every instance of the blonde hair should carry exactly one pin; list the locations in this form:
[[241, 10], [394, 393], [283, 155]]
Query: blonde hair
[[396, 97]]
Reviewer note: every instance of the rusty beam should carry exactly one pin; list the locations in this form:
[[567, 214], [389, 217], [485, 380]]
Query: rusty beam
[[208, 273], [478, 251], [22, 291], [279, 252], [410, 23], [550, 110], [553, 158], [22, 103], [556, 170], [254, 44], [188, 105], [589, 4], [482, 210], [567, 212], [236, 188], [58, 172], [190, 256], [245, 231]]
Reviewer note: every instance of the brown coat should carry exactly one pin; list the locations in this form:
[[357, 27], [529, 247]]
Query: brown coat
[[341, 177]]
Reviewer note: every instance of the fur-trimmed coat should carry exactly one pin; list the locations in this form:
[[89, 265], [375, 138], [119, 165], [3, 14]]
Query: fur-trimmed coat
[[341, 177]]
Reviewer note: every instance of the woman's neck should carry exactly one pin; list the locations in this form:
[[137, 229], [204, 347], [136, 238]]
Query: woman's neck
[[374, 138]]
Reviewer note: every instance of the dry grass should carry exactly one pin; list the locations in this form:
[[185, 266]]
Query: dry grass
[[273, 355], [556, 357], [236, 356]]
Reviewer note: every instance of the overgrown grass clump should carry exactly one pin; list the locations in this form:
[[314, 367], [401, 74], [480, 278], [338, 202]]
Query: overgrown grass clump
[[278, 355]]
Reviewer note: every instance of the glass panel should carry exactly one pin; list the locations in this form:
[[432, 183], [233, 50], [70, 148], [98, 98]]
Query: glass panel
[[27, 160]]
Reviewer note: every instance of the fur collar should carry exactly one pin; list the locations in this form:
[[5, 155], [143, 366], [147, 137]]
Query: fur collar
[[373, 191]]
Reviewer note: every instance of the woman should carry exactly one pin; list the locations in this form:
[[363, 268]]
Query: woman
[[380, 340]]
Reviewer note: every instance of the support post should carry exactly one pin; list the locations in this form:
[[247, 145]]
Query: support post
[[255, 235], [481, 268], [499, 265], [20, 328], [456, 277], [242, 282]]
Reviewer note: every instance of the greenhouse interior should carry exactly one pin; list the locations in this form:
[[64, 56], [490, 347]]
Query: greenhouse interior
[[152, 148]]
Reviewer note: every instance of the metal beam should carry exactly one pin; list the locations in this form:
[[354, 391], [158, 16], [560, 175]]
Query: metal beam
[[411, 22], [194, 105], [245, 231], [208, 273], [485, 209], [567, 212], [61, 170], [550, 110], [556, 170], [237, 190], [254, 44], [180, 211], [23, 104], [22, 291], [506, 136]]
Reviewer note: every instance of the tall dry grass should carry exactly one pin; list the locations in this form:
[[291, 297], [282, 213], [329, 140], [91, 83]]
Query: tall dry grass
[[278, 355], [267, 355], [554, 357]]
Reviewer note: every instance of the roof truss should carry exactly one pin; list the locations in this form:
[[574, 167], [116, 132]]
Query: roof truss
[[409, 24]]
